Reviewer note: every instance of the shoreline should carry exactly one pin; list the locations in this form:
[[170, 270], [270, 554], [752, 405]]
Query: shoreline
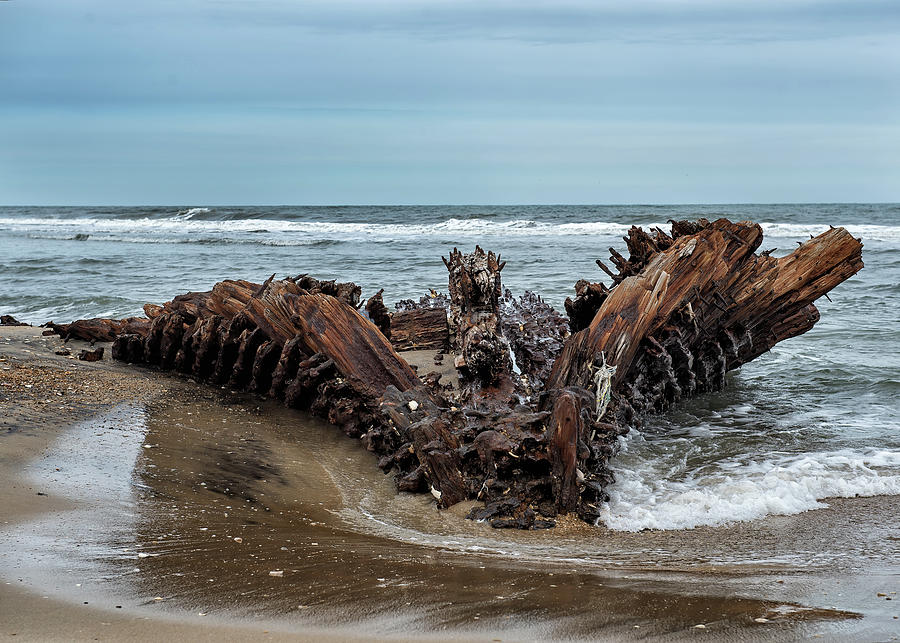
[[28, 611], [676, 587]]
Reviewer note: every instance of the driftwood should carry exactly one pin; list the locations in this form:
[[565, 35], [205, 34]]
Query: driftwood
[[100, 329], [532, 428], [90, 356], [9, 320]]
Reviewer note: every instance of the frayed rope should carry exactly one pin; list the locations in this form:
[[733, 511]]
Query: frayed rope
[[603, 385]]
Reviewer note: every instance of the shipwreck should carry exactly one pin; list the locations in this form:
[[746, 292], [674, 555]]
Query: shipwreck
[[531, 420]]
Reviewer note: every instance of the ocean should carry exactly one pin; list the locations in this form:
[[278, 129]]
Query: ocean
[[818, 417]]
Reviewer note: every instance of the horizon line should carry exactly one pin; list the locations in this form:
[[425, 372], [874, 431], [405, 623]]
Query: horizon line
[[433, 205]]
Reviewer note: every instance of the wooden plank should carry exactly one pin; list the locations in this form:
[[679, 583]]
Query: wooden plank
[[420, 329]]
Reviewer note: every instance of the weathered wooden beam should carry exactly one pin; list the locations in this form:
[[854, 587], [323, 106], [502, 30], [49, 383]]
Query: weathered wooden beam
[[641, 304], [705, 306], [420, 329], [99, 329], [378, 313]]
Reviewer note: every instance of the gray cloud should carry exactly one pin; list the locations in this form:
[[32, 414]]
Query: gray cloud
[[572, 97], [559, 22]]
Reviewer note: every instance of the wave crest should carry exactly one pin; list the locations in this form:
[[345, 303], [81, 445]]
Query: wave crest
[[642, 499], [184, 215], [189, 225]]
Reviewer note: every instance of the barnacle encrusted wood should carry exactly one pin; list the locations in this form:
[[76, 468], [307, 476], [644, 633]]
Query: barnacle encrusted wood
[[482, 350], [532, 428]]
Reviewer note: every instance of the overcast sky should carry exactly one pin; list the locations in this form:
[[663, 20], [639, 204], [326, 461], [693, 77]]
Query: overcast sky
[[203, 102]]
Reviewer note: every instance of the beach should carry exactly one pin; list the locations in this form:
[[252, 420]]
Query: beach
[[179, 510], [42, 396], [450, 321]]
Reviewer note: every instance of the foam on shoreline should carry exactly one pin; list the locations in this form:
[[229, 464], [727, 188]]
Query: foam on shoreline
[[643, 498]]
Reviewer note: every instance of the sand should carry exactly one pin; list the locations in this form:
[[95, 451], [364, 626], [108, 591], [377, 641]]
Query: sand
[[141, 506], [41, 394]]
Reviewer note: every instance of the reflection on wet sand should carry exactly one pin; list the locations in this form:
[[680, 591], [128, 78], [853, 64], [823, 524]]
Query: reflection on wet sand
[[235, 509]]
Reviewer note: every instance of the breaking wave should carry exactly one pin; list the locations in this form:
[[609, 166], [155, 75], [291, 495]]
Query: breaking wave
[[644, 498], [185, 227], [190, 212], [192, 239]]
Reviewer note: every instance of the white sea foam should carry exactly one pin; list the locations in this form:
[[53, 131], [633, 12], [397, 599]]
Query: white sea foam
[[185, 227], [331, 229], [643, 497], [187, 214], [804, 230], [210, 239]]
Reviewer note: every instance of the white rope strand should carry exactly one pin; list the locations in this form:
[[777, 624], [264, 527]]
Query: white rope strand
[[602, 386]]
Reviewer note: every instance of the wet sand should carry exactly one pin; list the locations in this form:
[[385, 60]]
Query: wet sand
[[210, 515], [42, 396]]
